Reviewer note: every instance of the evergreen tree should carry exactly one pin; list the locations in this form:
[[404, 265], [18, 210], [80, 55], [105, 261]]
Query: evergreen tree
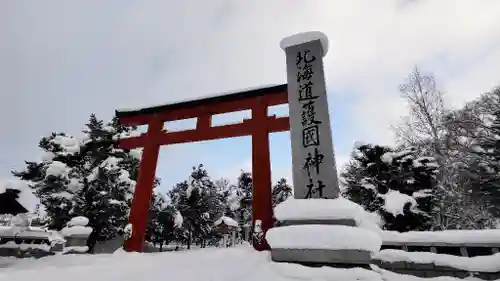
[[195, 201], [488, 169], [229, 197], [106, 195], [397, 184], [281, 191], [165, 222], [245, 188], [55, 179], [89, 177]]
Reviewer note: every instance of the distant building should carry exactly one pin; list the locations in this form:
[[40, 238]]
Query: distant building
[[225, 225]]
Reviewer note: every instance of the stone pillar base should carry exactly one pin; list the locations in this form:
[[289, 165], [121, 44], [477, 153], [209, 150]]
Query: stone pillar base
[[346, 222], [349, 258]]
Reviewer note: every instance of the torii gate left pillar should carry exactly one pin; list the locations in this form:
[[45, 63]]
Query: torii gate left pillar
[[259, 127]]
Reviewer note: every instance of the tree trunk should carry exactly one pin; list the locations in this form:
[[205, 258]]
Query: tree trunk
[[92, 241], [161, 247], [189, 239]]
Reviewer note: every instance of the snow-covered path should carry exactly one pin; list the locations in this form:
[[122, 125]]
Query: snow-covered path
[[233, 264]]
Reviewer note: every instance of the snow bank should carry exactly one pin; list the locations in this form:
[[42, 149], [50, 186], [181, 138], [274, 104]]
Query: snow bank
[[228, 264], [26, 197], [227, 221], [323, 237], [443, 237], [474, 264], [325, 209], [75, 249], [304, 37]]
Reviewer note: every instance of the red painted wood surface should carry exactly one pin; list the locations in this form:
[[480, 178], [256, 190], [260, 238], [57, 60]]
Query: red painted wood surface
[[262, 208], [259, 127], [139, 212]]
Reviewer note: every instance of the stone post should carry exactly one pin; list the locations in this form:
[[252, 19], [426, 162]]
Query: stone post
[[318, 226], [313, 158], [76, 234]]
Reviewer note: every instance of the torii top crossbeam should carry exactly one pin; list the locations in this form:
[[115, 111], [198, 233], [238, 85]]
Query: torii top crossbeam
[[203, 110], [259, 127]]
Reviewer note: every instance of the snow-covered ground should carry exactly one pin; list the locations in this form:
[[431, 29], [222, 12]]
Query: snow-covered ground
[[240, 263]]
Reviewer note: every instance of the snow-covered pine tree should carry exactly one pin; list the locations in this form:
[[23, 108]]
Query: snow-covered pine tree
[[87, 176], [281, 191], [245, 187], [488, 172], [165, 221], [158, 203], [55, 179], [229, 197], [105, 197], [194, 200], [397, 184]]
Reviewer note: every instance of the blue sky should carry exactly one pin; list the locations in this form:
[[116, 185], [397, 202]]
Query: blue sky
[[59, 62]]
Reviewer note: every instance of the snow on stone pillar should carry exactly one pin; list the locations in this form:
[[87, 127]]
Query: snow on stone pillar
[[317, 226], [313, 158]]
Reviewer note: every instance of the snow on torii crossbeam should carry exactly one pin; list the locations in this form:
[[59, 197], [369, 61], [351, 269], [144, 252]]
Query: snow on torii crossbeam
[[258, 127]]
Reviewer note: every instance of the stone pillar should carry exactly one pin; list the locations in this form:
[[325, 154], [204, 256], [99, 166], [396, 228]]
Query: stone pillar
[[314, 170], [76, 234], [233, 238], [318, 226]]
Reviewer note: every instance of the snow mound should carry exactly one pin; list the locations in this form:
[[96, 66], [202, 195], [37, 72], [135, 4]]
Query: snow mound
[[75, 249], [474, 264], [227, 221], [57, 169], [78, 221], [26, 197], [69, 144], [395, 202], [325, 209], [444, 237], [76, 230], [324, 237], [178, 219], [229, 264], [304, 37]]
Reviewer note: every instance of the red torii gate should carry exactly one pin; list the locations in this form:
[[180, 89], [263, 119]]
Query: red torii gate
[[259, 127]]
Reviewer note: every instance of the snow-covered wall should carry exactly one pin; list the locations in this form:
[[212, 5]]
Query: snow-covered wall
[[458, 253], [21, 240]]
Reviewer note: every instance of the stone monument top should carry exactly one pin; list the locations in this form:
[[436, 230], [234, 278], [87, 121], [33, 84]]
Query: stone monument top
[[304, 37]]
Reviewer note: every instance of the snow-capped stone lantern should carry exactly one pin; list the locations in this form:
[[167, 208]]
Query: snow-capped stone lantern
[[318, 226], [76, 234], [227, 227]]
